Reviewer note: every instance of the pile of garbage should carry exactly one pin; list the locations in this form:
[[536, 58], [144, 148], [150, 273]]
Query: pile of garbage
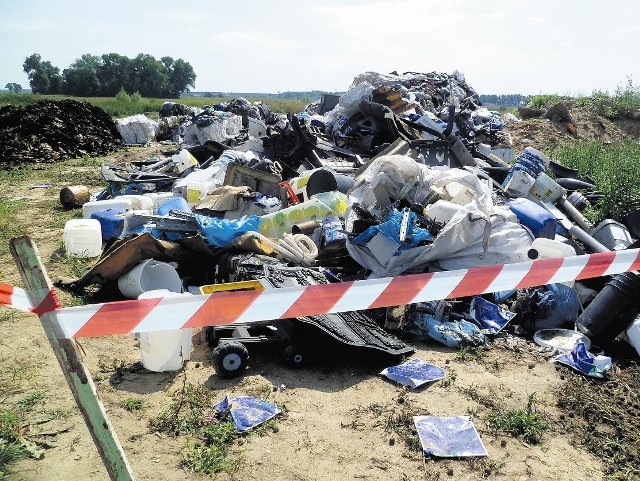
[[49, 131], [401, 174]]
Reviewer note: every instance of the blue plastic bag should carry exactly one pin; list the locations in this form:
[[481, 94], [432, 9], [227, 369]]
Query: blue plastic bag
[[583, 361], [390, 228], [221, 232]]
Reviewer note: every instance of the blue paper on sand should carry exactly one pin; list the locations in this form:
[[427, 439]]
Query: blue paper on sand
[[449, 436], [456, 334], [246, 411], [414, 373], [491, 317], [583, 361]]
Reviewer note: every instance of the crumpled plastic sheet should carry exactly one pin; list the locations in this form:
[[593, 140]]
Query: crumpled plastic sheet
[[391, 227], [585, 362], [551, 306], [222, 232], [414, 373], [491, 316], [246, 412], [456, 334], [449, 436]]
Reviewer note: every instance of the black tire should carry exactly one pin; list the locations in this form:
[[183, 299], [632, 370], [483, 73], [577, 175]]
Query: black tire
[[230, 359], [293, 355], [208, 334]]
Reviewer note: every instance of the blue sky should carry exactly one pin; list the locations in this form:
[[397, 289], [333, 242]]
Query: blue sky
[[502, 46]]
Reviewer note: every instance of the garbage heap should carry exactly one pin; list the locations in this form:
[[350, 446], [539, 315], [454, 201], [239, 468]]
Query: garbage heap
[[48, 131], [401, 174]]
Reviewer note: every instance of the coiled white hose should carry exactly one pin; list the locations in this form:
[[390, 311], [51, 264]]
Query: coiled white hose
[[296, 248]]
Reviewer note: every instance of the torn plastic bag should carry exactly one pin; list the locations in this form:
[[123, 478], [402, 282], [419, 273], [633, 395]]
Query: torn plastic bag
[[137, 129], [391, 228], [548, 307], [583, 361], [456, 334], [246, 411], [221, 232], [489, 315]]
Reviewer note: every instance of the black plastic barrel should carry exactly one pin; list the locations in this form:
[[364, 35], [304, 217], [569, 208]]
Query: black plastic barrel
[[612, 310]]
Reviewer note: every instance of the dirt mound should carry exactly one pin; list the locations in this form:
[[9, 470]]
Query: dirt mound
[[543, 133], [48, 131]]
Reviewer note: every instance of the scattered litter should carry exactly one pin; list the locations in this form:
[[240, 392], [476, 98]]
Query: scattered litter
[[491, 317], [583, 361], [414, 373], [246, 412], [449, 436]]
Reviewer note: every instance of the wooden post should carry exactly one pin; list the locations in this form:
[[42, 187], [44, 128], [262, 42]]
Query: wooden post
[[39, 288]]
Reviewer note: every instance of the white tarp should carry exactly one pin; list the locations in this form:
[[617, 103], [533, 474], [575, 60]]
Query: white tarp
[[137, 129]]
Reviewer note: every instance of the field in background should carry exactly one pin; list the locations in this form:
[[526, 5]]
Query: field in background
[[126, 105]]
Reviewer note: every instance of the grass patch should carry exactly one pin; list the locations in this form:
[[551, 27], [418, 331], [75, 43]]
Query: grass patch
[[603, 417], [133, 404], [208, 439], [522, 423], [614, 168]]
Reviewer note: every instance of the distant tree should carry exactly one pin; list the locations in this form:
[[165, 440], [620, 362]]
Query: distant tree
[[115, 73], [150, 78], [13, 88], [44, 78], [81, 78], [181, 77]]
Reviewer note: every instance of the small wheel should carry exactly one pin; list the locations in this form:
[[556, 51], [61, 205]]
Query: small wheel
[[208, 334], [230, 359], [293, 356]]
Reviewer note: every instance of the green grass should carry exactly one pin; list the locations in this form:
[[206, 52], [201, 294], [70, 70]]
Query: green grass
[[614, 168], [133, 404], [207, 439], [523, 423], [123, 107]]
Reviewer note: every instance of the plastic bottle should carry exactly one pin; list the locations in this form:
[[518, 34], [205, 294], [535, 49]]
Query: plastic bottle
[[543, 248], [524, 172]]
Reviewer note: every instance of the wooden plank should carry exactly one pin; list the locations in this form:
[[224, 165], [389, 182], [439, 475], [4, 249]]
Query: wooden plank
[[39, 288]]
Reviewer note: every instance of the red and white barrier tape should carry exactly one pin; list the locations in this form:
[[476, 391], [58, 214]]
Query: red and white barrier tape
[[224, 308], [15, 297]]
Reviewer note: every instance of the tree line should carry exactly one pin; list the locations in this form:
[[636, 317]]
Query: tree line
[[106, 75]]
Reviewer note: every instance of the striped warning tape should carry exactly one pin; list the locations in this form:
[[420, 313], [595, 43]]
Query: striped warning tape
[[223, 308], [15, 297]]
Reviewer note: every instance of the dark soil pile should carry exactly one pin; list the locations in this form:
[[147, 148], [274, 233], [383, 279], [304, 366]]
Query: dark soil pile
[[48, 131]]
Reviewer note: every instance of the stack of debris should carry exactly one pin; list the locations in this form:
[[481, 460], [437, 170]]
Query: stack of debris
[[48, 131], [405, 174]]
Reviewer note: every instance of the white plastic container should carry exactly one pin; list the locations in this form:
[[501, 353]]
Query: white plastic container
[[138, 202], [121, 204], [546, 189], [550, 249], [149, 275], [197, 191], [164, 350], [633, 334], [82, 238], [543, 248], [442, 211], [158, 198]]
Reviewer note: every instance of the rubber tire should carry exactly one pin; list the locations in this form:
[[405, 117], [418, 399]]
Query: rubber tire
[[208, 334], [293, 356], [230, 359]]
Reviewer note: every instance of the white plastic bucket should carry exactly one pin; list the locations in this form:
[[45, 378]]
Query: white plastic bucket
[[149, 275], [82, 238], [164, 350]]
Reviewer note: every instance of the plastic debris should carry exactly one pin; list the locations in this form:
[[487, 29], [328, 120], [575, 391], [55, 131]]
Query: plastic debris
[[247, 412], [449, 436], [491, 317], [414, 373], [585, 362]]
